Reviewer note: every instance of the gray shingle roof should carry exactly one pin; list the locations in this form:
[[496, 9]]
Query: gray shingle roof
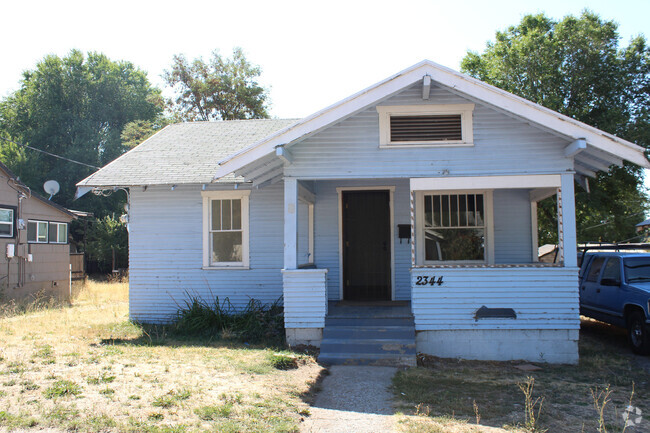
[[184, 153]]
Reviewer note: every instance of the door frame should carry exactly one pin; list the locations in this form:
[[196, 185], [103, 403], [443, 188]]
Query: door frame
[[391, 194]]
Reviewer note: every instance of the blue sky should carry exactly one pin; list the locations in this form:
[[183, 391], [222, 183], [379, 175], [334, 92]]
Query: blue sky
[[312, 53]]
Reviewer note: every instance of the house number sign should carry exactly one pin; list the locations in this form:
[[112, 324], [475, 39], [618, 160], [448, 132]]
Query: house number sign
[[426, 280]]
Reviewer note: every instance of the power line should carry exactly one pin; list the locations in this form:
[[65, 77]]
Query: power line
[[48, 153]]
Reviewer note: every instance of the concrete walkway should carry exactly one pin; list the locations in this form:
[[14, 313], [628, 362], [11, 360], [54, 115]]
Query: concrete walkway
[[354, 399]]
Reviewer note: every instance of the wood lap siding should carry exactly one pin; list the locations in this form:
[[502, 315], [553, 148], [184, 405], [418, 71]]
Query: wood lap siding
[[166, 252], [543, 298], [502, 144]]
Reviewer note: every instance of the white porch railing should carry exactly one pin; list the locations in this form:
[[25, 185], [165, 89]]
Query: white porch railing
[[542, 297], [305, 298]]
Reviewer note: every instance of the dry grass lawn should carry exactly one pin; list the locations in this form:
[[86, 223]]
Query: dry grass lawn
[[85, 367], [445, 395]]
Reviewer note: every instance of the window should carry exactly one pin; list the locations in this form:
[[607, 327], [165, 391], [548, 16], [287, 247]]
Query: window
[[225, 242], [58, 233], [6, 222], [454, 228], [37, 231], [596, 266], [612, 270], [428, 125]]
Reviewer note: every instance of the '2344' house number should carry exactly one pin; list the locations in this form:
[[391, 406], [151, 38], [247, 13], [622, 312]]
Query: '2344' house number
[[425, 280]]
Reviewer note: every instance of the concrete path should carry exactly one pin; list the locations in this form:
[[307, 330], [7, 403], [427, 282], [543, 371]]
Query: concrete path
[[353, 399]]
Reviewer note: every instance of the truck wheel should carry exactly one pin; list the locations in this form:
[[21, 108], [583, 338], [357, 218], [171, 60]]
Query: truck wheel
[[638, 333]]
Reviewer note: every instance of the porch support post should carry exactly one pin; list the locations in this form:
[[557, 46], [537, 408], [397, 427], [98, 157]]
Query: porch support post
[[290, 223], [412, 229], [567, 218]]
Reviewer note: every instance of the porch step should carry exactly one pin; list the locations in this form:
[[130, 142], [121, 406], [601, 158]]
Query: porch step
[[368, 336]]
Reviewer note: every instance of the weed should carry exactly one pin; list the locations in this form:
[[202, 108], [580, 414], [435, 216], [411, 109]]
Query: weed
[[532, 406], [212, 413], [476, 414], [15, 367], [45, 352], [282, 361], [62, 388], [254, 323], [103, 378], [134, 397], [11, 382], [28, 385], [107, 391], [156, 416], [62, 414], [231, 399], [17, 421], [601, 399], [3, 393], [165, 401]]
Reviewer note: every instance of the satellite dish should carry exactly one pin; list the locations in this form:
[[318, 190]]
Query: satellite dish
[[51, 187]]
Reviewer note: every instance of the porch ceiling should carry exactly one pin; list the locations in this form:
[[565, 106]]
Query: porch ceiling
[[267, 169]]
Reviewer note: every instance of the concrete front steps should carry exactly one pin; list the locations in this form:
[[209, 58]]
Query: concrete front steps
[[368, 334]]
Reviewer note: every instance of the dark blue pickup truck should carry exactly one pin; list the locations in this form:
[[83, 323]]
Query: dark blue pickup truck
[[615, 288]]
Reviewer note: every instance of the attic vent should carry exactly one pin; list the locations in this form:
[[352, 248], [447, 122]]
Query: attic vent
[[426, 128]]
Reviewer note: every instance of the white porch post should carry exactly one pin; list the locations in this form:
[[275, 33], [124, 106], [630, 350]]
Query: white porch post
[[290, 223], [567, 216]]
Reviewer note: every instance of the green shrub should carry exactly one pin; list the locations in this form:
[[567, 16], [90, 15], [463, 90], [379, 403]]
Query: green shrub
[[283, 361], [255, 323]]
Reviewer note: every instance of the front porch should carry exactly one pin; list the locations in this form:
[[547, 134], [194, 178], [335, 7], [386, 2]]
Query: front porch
[[426, 269]]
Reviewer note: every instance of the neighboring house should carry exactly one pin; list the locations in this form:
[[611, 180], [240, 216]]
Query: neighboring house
[[34, 249], [421, 188]]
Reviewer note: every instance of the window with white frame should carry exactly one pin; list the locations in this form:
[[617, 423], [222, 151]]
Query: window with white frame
[[225, 242], [37, 231], [6, 222], [454, 228], [426, 125], [58, 233]]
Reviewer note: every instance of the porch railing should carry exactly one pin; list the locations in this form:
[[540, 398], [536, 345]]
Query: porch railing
[[305, 298]]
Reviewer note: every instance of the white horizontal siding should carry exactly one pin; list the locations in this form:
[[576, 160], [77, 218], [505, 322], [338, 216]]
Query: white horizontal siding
[[165, 253], [502, 145], [305, 298], [543, 298]]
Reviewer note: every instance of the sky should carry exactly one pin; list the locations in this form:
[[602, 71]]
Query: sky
[[312, 54]]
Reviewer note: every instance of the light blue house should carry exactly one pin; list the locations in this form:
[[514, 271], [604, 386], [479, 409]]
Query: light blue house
[[415, 197]]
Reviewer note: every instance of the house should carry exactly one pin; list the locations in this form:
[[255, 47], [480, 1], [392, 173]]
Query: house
[[418, 193], [34, 249]]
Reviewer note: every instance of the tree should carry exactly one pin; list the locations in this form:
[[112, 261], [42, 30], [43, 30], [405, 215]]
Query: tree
[[75, 107], [576, 67], [223, 89]]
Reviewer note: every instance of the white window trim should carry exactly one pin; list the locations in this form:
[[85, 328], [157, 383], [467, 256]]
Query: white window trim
[[226, 195], [465, 111], [57, 224], [12, 223], [47, 232], [489, 228]]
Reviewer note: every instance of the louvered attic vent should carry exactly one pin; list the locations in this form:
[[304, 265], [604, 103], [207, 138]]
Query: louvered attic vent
[[426, 128]]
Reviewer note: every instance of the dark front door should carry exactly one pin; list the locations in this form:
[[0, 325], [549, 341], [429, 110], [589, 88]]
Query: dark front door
[[366, 245]]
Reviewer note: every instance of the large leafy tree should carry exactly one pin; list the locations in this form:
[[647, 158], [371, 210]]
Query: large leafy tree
[[575, 66], [221, 89], [75, 107]]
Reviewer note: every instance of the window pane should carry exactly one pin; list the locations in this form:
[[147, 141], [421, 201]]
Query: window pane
[[437, 215], [7, 215], [236, 214], [53, 232], [445, 210], [428, 211], [479, 210], [471, 210], [455, 244], [42, 231], [5, 229], [227, 247], [63, 233], [216, 214], [596, 266], [612, 269], [226, 221], [462, 210], [453, 208], [31, 232]]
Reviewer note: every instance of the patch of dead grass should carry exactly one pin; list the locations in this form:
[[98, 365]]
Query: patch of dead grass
[[446, 389], [130, 378]]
